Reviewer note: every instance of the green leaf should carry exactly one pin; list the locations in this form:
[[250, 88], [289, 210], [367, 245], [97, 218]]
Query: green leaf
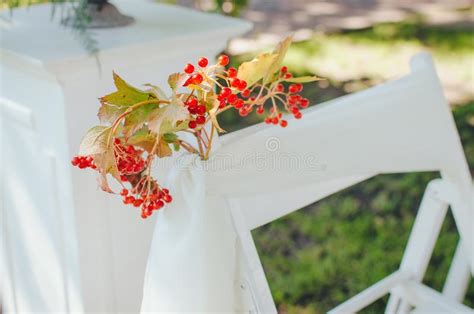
[[176, 80], [156, 91], [94, 144], [108, 113], [136, 119], [163, 149], [170, 137], [165, 119], [126, 95], [143, 138], [280, 51], [253, 71], [95, 141], [176, 146], [116, 103], [303, 79]]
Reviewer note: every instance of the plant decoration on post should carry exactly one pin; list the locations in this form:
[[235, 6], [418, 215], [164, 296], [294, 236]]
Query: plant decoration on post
[[141, 125]]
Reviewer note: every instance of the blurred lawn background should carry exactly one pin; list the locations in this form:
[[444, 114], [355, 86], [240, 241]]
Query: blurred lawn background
[[321, 255]]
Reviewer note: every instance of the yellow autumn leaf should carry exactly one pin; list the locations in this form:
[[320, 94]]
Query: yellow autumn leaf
[[280, 52], [256, 69]]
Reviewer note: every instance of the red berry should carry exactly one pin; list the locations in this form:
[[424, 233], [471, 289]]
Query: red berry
[[75, 161], [137, 202], [283, 123], [239, 103], [243, 112], [284, 69], [295, 88], [231, 98], [202, 62], [225, 92], [260, 110], [235, 82], [192, 124], [189, 68], [192, 102], [298, 115], [196, 79], [201, 109], [242, 85], [232, 72], [304, 103], [268, 120], [159, 204], [223, 60], [116, 140], [245, 93], [167, 198], [165, 190], [129, 199], [201, 120], [280, 87], [124, 192], [275, 120], [192, 110], [288, 75]]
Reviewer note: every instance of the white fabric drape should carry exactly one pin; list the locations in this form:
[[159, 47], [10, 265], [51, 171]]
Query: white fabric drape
[[400, 126]]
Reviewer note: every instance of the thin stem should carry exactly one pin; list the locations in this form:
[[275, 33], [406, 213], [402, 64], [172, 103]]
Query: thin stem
[[187, 147], [199, 140], [210, 143]]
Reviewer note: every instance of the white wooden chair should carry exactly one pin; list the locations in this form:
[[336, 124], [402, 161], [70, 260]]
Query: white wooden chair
[[401, 126]]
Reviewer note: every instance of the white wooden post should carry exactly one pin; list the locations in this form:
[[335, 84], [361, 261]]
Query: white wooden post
[[68, 246]]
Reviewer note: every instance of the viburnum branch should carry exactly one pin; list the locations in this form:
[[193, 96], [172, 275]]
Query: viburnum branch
[[128, 153], [117, 121]]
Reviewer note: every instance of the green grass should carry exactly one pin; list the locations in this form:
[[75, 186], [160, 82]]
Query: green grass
[[321, 255]]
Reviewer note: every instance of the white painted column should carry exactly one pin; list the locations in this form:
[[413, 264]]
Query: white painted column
[[66, 246]]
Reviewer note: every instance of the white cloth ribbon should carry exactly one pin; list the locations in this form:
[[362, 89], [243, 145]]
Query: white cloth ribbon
[[193, 248]]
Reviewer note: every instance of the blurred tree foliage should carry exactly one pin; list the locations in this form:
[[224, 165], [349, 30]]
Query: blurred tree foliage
[[230, 7]]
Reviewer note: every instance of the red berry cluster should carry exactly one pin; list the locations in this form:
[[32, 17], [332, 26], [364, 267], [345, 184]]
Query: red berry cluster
[[195, 78], [83, 162], [129, 160], [145, 191], [294, 101], [235, 93], [148, 200], [197, 112]]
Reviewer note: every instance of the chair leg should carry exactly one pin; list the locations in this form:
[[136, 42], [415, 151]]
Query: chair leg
[[260, 290], [458, 277], [422, 240]]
